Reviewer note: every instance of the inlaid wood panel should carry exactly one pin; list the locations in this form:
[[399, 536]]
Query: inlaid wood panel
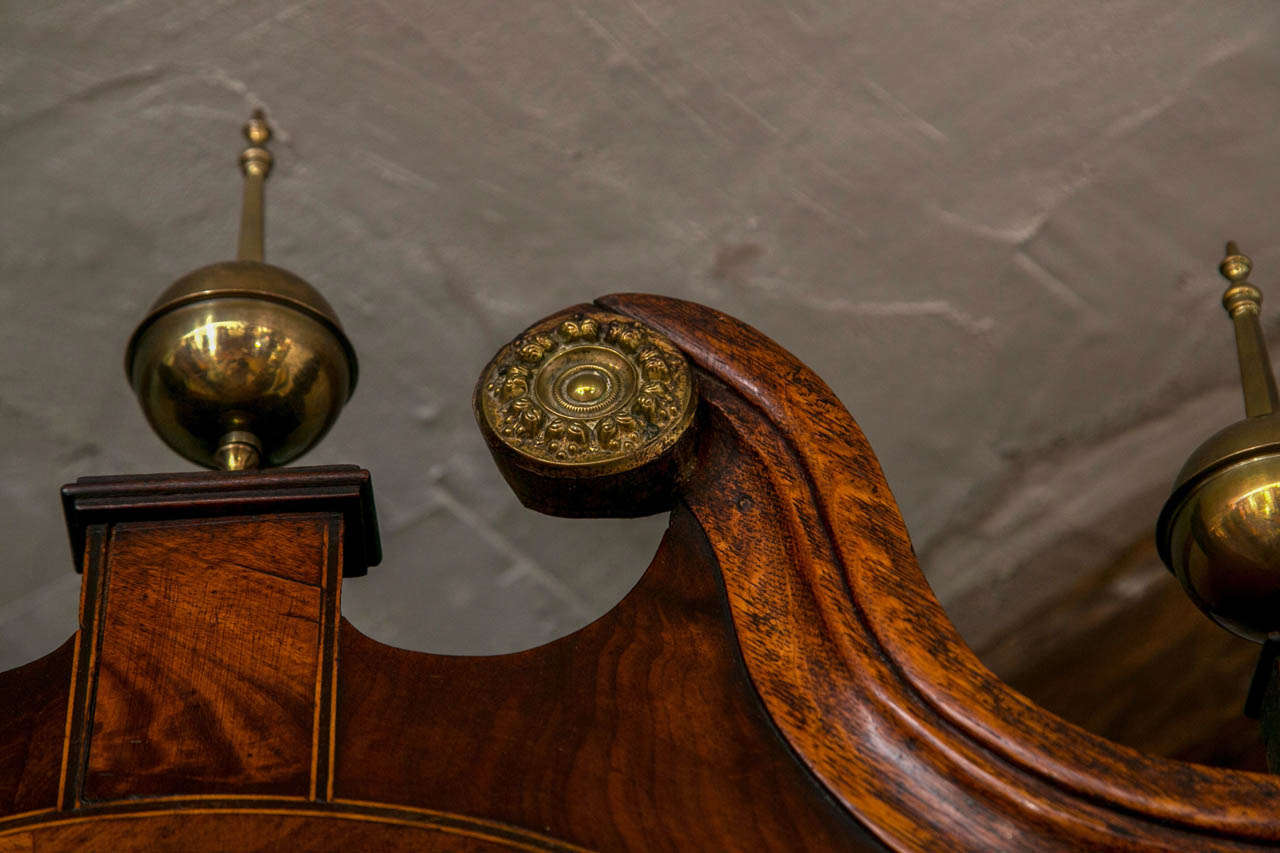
[[207, 663], [176, 825]]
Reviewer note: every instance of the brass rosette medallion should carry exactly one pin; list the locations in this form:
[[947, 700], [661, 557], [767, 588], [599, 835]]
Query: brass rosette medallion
[[582, 395]]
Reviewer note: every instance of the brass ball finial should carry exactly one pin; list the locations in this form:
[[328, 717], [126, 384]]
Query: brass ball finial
[[240, 364], [1219, 532]]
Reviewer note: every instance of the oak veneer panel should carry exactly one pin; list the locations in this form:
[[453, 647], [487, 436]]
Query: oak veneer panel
[[641, 731], [208, 657]]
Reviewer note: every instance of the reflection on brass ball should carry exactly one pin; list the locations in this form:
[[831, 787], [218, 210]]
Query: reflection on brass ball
[[1220, 530], [241, 352], [582, 400]]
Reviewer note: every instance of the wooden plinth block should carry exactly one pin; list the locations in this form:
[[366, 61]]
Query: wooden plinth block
[[206, 660]]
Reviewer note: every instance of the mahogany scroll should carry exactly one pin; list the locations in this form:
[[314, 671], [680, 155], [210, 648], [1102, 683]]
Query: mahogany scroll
[[858, 664]]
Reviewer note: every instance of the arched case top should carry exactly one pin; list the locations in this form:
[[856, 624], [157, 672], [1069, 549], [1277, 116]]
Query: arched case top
[[781, 678]]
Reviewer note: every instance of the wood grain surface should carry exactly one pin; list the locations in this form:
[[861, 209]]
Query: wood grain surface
[[180, 825], [1127, 655], [344, 489], [33, 708], [208, 657], [858, 664], [640, 731]]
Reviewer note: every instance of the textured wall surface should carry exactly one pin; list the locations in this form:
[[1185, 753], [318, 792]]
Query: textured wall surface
[[992, 227]]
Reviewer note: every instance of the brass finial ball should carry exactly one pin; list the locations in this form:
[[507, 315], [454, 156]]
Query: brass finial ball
[[1219, 532], [241, 364], [1236, 267]]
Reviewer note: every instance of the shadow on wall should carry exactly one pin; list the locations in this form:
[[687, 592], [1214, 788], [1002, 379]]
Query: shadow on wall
[[451, 583]]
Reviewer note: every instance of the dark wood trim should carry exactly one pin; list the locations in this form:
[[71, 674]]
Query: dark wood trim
[[75, 750], [346, 489], [327, 666]]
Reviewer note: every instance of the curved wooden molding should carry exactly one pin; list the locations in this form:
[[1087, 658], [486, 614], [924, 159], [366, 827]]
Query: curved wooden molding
[[858, 664]]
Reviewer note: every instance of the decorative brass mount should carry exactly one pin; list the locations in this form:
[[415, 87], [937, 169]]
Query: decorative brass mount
[[1219, 532], [588, 413], [240, 363]]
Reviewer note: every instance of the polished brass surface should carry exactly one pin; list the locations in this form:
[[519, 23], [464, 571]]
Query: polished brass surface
[[587, 393], [237, 363], [250, 279], [1243, 301], [1235, 267], [1219, 532], [255, 162], [1248, 437], [1223, 539], [241, 363], [238, 450]]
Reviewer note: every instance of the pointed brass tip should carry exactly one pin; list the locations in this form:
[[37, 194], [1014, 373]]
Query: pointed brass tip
[[256, 160], [257, 131], [1235, 267]]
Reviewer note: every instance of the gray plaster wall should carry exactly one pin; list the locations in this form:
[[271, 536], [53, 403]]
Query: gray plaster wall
[[992, 227]]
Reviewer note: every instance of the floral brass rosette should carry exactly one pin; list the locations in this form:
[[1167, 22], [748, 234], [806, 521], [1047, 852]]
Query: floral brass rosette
[[588, 389]]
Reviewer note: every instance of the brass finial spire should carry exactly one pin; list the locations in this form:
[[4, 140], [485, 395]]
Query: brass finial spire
[[1218, 532], [255, 162], [1242, 301], [241, 364]]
